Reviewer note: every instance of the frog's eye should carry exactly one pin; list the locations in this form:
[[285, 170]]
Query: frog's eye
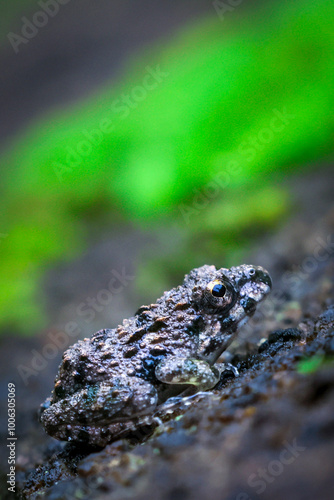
[[218, 289], [220, 294]]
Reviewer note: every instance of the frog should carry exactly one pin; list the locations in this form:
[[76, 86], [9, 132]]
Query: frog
[[118, 377]]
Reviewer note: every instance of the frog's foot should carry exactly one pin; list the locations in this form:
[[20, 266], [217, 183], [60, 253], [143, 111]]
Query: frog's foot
[[228, 367], [227, 372], [174, 370], [87, 413]]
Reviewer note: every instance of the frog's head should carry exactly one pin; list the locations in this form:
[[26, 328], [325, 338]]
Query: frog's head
[[226, 298]]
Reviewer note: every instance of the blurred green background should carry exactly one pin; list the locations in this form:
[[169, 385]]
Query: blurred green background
[[190, 140]]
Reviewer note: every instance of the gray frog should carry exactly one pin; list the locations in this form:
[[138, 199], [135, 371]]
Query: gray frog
[[117, 377]]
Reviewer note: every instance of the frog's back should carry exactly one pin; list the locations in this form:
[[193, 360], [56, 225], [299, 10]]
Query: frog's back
[[134, 348], [85, 363]]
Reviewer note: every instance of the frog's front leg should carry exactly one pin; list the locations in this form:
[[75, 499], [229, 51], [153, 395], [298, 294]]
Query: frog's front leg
[[176, 370], [82, 416]]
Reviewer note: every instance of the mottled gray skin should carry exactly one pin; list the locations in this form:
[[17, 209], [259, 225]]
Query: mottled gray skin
[[116, 377]]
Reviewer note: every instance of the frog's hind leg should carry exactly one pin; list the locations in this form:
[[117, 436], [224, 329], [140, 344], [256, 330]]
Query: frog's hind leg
[[90, 414]]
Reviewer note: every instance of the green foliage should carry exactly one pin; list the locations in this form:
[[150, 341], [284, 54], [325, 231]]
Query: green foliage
[[233, 104], [314, 364]]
